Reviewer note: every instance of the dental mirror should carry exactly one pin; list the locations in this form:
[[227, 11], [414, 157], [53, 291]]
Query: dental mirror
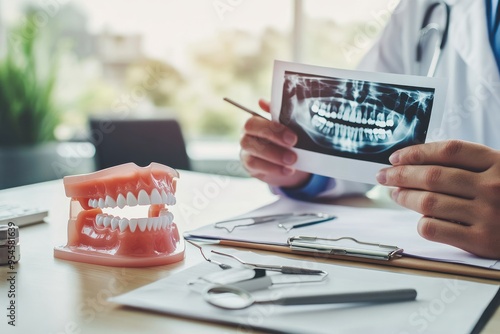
[[233, 298]]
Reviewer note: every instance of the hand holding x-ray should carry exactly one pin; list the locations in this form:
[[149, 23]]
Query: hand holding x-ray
[[456, 186], [266, 152]]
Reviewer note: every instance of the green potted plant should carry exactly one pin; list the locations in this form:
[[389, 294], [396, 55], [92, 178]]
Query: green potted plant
[[28, 115]]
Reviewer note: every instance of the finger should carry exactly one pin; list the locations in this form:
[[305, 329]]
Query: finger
[[270, 131], [435, 205], [264, 105], [268, 151], [442, 231], [263, 169], [454, 153], [445, 180]]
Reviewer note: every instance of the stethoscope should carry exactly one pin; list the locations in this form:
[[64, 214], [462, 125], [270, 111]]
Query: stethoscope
[[430, 27]]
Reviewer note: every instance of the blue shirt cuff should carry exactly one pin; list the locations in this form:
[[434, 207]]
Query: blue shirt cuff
[[316, 185]]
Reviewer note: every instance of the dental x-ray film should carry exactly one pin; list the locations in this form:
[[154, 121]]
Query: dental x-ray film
[[350, 122]]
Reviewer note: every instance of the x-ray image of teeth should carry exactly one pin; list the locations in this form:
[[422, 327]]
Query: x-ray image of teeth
[[354, 118]]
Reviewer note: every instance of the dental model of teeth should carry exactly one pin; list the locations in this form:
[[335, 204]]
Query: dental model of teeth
[[102, 238], [131, 200]]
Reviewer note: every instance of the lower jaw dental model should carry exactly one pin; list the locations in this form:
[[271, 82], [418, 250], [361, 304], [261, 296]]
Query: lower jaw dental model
[[100, 238]]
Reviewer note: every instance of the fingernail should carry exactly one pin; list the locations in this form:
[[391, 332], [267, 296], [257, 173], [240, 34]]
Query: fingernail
[[381, 177], [288, 158], [289, 138], [394, 158]]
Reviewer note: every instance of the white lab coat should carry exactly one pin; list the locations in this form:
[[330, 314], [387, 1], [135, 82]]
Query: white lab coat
[[472, 111]]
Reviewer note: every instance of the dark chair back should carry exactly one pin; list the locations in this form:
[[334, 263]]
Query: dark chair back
[[142, 141]]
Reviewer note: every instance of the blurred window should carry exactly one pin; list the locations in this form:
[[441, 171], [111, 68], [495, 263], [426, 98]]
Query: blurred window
[[137, 58]]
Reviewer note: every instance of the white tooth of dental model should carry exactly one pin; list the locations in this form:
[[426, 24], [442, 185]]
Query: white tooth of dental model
[[114, 223], [121, 201], [99, 220], [170, 217], [109, 202], [100, 203], [132, 224], [142, 223], [155, 197], [107, 221], [143, 198], [172, 199], [164, 197], [123, 223], [149, 223], [131, 200]]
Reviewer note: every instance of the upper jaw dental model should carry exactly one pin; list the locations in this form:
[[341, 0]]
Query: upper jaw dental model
[[100, 238]]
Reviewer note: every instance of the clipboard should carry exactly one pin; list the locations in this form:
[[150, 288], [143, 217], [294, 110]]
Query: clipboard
[[397, 262], [344, 246], [404, 262]]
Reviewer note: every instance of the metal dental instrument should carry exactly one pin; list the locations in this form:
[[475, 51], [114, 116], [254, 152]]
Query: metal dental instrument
[[221, 265], [277, 268], [229, 275], [289, 227], [233, 298], [310, 218]]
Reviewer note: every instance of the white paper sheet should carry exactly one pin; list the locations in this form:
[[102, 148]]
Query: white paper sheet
[[385, 226], [349, 122], [442, 305]]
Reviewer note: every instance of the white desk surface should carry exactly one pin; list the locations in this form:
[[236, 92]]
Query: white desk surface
[[57, 296]]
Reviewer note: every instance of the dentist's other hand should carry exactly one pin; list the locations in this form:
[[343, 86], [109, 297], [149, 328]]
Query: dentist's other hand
[[456, 186], [266, 152]]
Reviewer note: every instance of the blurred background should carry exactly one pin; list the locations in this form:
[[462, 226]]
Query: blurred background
[[65, 62]]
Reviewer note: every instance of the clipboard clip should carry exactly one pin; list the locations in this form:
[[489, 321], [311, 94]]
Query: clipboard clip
[[362, 249]]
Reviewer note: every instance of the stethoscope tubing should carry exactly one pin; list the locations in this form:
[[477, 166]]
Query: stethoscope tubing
[[427, 27]]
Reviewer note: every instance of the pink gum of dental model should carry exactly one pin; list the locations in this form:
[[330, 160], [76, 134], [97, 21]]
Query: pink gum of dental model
[[99, 238]]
